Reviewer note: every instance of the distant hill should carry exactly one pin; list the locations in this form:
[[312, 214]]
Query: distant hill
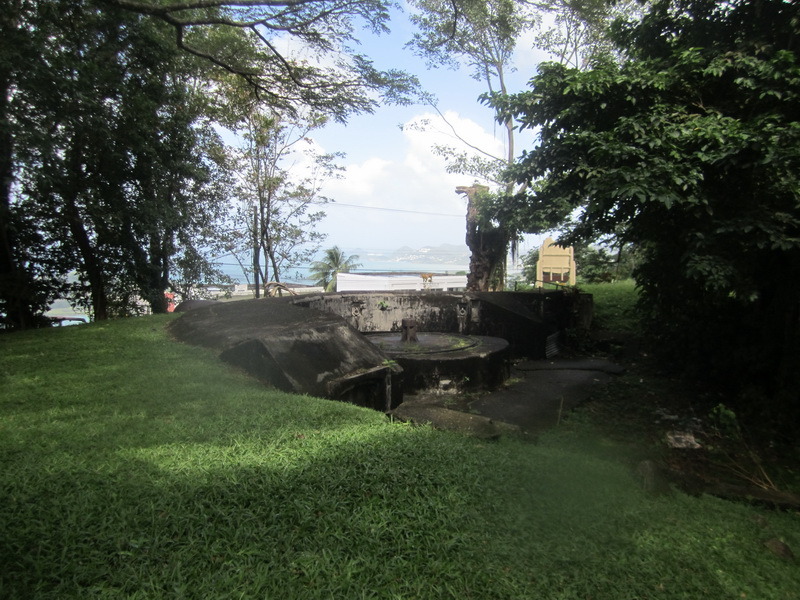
[[444, 254]]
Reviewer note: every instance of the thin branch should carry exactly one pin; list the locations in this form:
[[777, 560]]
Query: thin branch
[[292, 16], [461, 139], [165, 9], [249, 76], [288, 68]]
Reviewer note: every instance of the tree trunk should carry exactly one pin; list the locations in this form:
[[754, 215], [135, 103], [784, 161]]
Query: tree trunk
[[161, 249], [16, 283], [488, 246], [157, 267], [276, 274], [91, 263], [256, 251]]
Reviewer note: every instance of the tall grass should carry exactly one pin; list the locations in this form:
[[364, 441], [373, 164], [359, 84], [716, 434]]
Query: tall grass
[[132, 466], [615, 305]]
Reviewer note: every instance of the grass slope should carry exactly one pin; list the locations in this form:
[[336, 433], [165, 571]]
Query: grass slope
[[132, 466], [615, 305]]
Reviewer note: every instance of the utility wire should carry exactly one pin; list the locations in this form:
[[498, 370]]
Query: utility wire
[[246, 228], [400, 210]]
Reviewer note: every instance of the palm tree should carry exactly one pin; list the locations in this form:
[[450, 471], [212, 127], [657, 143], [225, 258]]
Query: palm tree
[[333, 263]]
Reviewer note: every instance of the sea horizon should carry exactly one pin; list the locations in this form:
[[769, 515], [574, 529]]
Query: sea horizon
[[300, 274]]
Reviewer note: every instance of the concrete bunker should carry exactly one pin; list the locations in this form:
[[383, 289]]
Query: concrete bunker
[[294, 349], [345, 346], [446, 361]]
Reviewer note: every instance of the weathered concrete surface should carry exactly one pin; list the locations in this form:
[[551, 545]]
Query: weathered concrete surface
[[293, 348], [426, 412], [371, 312], [540, 394], [571, 364], [525, 319], [313, 345], [544, 392], [463, 362]]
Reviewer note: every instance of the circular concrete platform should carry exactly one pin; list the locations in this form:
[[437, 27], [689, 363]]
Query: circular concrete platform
[[436, 343], [447, 361]]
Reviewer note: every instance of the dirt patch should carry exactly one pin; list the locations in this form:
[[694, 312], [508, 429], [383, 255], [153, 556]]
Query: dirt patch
[[536, 396], [695, 443]]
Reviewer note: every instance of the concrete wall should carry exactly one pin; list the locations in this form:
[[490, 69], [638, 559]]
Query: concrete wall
[[353, 282], [525, 319], [377, 312], [312, 345], [294, 349]]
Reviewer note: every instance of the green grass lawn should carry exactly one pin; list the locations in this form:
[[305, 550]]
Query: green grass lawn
[[615, 305], [133, 466]]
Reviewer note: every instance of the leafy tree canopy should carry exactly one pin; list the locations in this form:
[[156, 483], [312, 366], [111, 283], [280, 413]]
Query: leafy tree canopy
[[110, 169], [690, 149], [703, 140], [114, 165], [249, 38], [279, 187]]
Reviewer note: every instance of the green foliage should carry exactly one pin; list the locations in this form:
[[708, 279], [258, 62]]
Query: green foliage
[[246, 42], [578, 32], [482, 34], [124, 477], [598, 264], [110, 157], [111, 177], [529, 262], [279, 192], [333, 262], [725, 422], [690, 150]]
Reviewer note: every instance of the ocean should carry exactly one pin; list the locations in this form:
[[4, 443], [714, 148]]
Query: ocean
[[302, 274]]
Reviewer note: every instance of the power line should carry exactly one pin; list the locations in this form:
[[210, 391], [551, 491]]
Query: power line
[[400, 210]]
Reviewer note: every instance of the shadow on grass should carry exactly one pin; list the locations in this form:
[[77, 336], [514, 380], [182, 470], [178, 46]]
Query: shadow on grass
[[400, 512], [183, 479]]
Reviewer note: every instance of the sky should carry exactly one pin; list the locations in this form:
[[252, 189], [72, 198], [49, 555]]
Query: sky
[[395, 191]]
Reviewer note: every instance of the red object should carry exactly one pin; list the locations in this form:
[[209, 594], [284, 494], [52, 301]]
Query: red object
[[170, 301]]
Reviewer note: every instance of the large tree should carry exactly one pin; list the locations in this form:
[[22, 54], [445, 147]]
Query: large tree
[[324, 72], [575, 32], [112, 164], [26, 286], [483, 37], [97, 124], [690, 149]]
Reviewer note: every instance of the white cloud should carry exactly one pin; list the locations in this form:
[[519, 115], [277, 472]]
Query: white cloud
[[412, 186], [361, 181], [429, 129]]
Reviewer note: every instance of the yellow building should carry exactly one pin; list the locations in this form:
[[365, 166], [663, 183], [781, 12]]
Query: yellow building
[[555, 265]]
